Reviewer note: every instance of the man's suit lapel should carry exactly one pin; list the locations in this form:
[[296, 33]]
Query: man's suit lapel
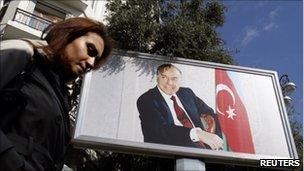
[[163, 106], [189, 107]]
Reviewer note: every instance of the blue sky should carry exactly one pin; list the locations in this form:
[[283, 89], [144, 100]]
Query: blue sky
[[269, 36]]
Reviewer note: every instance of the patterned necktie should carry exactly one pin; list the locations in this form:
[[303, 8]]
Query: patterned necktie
[[183, 118]]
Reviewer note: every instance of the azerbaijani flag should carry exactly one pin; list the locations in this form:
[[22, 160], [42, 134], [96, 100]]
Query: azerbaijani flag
[[232, 114]]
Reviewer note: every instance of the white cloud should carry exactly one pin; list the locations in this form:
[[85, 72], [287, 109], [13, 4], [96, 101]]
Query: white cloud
[[264, 25], [251, 33], [274, 13], [270, 26]]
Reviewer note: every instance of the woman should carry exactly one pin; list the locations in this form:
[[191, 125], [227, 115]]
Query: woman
[[35, 125]]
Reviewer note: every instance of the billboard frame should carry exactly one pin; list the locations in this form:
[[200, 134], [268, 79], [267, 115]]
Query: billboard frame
[[125, 146]]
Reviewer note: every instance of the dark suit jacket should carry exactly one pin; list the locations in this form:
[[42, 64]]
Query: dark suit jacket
[[157, 121]]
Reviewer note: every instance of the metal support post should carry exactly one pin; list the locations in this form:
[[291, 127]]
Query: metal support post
[[189, 164]]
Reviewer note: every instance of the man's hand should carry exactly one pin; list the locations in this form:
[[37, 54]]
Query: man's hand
[[214, 141]]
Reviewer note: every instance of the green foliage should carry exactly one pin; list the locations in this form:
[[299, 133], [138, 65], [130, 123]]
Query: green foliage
[[132, 23], [297, 130], [297, 133], [171, 28]]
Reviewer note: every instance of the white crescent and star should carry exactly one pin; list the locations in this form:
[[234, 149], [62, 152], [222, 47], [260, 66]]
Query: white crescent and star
[[230, 111]]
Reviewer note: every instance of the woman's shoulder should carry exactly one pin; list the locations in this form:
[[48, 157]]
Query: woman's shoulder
[[25, 46], [18, 46], [15, 55]]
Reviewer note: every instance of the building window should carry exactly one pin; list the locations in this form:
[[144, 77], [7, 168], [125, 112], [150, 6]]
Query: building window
[[49, 12], [42, 16]]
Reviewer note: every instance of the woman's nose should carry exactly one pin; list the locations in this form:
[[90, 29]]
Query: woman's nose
[[90, 62]]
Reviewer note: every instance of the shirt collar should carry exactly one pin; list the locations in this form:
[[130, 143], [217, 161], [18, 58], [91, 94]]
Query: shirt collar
[[166, 96]]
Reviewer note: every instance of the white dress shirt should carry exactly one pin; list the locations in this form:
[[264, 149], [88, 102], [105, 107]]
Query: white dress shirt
[[169, 101]]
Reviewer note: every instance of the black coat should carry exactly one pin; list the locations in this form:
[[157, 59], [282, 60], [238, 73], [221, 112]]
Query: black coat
[[38, 136]]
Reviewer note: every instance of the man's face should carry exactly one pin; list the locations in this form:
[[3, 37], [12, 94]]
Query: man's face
[[169, 80], [79, 55]]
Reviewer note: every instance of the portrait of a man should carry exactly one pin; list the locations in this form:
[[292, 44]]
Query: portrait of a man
[[174, 115]]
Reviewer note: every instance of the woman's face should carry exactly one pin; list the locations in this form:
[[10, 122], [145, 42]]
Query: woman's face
[[79, 56]]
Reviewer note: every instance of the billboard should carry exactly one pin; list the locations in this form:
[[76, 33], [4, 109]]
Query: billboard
[[147, 104]]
